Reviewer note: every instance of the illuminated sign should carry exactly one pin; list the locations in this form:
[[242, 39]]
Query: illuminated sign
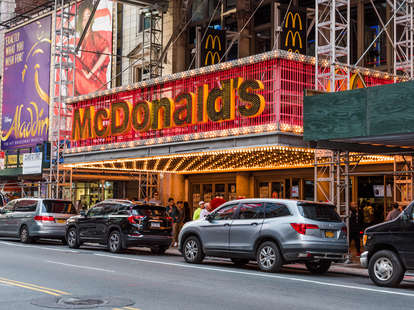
[[212, 47], [356, 81], [293, 38], [206, 105]]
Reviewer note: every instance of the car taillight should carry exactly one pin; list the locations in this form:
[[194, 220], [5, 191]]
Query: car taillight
[[344, 230], [301, 228], [132, 218], [42, 218], [169, 218]]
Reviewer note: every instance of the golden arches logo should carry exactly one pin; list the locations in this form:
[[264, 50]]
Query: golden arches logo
[[213, 56], [293, 38], [293, 18], [213, 42]]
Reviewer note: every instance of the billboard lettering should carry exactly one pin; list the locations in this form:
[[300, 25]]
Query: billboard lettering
[[293, 38], [26, 80], [215, 105], [213, 47]]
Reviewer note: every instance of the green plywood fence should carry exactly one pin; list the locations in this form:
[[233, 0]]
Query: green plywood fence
[[373, 111]]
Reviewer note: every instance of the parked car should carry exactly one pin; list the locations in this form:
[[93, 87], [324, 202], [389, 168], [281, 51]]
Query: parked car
[[120, 224], [390, 249], [33, 218], [273, 232]]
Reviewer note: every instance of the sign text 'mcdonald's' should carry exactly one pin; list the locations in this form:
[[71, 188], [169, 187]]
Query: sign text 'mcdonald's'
[[215, 105]]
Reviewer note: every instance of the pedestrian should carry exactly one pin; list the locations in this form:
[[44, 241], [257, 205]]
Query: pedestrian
[[197, 212], [394, 213], [174, 213], [155, 198], [354, 228], [205, 211], [368, 213], [187, 212]]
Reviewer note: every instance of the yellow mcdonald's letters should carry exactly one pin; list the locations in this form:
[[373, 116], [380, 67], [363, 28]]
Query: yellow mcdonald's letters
[[213, 57], [293, 38], [213, 42], [293, 18], [216, 105]]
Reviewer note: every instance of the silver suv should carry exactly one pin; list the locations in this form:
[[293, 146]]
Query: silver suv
[[271, 231], [32, 218]]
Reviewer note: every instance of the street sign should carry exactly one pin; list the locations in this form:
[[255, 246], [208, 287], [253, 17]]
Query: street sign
[[32, 163]]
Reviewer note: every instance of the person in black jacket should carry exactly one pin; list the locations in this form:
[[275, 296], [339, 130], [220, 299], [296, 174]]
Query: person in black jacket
[[354, 228]]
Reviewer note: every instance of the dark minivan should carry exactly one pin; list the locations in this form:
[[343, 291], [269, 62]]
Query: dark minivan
[[120, 224], [390, 249]]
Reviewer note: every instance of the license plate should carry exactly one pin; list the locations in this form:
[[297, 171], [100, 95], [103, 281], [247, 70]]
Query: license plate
[[155, 225], [61, 221], [329, 234]]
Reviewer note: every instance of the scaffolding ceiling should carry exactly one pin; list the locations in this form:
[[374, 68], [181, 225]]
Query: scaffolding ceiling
[[245, 159]]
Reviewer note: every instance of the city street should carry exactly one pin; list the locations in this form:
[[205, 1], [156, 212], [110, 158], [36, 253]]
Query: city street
[[47, 271]]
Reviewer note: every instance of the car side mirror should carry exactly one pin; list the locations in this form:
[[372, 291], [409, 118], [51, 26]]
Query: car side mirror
[[82, 213], [2, 211], [209, 217]]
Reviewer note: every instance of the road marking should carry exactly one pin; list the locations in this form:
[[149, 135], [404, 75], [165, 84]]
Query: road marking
[[77, 266], [262, 275], [36, 286], [33, 287], [37, 247], [131, 308]]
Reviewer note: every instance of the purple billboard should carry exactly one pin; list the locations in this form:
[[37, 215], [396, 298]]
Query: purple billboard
[[26, 84]]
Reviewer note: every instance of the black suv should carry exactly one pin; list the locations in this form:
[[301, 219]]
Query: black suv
[[390, 249], [120, 224]]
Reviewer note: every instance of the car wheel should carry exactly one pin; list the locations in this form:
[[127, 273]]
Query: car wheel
[[192, 250], [24, 235], [158, 250], [240, 261], [319, 267], [268, 257], [115, 242], [72, 238], [385, 269]]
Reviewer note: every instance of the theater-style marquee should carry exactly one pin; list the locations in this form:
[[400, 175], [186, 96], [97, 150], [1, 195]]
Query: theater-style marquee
[[262, 93]]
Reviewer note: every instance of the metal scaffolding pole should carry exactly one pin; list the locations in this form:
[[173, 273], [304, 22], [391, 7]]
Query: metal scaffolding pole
[[403, 38], [332, 38], [64, 85]]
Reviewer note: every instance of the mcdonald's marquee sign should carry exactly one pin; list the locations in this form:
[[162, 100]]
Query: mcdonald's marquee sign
[[213, 47], [293, 38]]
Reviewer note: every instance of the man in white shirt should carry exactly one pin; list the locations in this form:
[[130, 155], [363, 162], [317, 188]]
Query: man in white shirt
[[204, 211]]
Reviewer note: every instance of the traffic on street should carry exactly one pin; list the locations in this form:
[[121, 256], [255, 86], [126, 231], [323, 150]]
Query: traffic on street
[[48, 274]]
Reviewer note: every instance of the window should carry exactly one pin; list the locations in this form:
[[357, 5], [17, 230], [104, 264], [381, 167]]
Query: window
[[9, 207], [276, 210], [319, 212], [109, 209], [251, 211], [137, 74], [96, 211], [58, 206], [25, 206], [225, 213]]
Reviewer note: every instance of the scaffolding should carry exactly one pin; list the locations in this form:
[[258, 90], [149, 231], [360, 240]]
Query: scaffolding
[[64, 85], [403, 37], [332, 41], [403, 179], [151, 44]]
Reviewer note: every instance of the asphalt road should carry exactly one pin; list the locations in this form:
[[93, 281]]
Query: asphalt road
[[48, 272]]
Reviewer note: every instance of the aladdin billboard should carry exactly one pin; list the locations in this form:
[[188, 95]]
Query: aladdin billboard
[[26, 84]]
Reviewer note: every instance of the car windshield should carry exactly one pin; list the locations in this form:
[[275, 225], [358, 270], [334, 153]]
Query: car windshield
[[148, 211], [58, 206], [319, 212]]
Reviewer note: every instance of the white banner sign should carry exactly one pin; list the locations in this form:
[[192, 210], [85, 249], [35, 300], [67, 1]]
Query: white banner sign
[[32, 163]]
